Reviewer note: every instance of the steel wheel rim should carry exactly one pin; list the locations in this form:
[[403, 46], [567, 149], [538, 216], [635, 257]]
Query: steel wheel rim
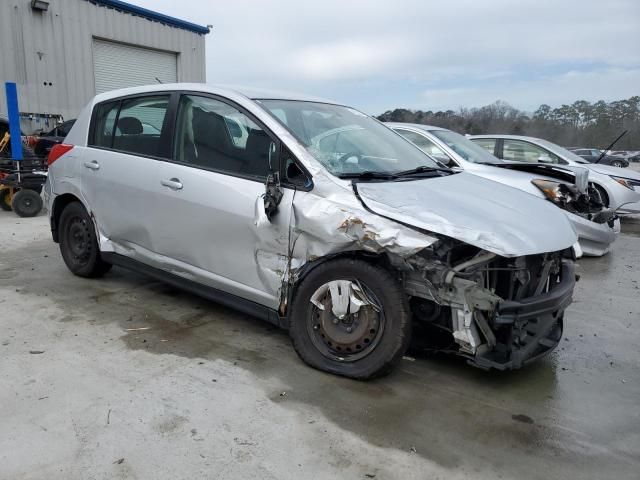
[[333, 340], [79, 240]]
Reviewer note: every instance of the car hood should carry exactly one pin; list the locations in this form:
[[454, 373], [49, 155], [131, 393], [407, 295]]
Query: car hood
[[615, 171], [480, 212]]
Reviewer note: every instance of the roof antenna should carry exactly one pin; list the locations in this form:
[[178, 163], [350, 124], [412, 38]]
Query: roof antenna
[[604, 152], [158, 80]]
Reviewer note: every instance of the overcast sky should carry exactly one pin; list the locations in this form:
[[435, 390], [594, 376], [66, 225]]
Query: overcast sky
[[421, 54]]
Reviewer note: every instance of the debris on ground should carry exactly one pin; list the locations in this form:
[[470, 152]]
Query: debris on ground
[[36, 352], [119, 461]]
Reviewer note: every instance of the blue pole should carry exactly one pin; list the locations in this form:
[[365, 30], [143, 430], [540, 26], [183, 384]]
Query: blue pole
[[14, 120]]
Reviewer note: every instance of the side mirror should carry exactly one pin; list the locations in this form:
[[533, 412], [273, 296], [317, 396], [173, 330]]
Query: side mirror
[[295, 175], [444, 160]]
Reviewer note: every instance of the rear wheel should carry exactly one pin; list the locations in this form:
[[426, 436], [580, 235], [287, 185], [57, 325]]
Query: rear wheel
[[5, 199], [617, 163], [78, 244], [27, 203], [350, 318]]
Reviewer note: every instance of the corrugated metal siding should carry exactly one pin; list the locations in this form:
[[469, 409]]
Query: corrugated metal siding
[[58, 51], [119, 66]]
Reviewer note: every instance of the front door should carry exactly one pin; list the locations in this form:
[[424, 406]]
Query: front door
[[210, 222]]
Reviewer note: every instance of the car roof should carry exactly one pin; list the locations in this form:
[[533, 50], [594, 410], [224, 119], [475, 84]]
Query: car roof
[[420, 126], [512, 137], [222, 90]]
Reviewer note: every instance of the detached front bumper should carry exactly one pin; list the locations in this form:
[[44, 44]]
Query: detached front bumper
[[529, 328], [595, 238]]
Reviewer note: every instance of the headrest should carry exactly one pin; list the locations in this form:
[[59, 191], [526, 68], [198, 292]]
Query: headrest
[[130, 126]]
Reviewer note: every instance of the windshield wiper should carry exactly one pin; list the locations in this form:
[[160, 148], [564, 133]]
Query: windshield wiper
[[369, 175], [422, 169]]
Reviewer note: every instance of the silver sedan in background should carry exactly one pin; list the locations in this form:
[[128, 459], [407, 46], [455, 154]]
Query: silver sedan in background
[[619, 188], [597, 227]]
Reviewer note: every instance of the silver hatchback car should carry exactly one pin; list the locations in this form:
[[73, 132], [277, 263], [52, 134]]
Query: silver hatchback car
[[349, 242]]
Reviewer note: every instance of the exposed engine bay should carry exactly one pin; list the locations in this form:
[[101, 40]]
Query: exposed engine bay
[[500, 312]]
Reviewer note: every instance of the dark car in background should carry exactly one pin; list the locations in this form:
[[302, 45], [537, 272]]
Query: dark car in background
[[45, 141], [593, 154], [630, 156]]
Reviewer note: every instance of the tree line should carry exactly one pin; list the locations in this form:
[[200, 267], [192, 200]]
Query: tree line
[[581, 124]]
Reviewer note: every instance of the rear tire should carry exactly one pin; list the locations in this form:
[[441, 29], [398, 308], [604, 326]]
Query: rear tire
[[339, 346], [78, 243], [5, 199], [27, 203]]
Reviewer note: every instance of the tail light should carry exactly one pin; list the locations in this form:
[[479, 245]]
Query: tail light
[[57, 151]]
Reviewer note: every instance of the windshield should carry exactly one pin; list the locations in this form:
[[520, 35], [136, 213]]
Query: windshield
[[562, 152], [464, 147], [346, 141]]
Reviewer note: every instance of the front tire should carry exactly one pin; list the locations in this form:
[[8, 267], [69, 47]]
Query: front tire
[[27, 203], [78, 243], [361, 345], [617, 163]]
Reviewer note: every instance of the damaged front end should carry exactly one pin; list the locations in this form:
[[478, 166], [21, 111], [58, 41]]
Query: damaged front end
[[499, 312], [585, 202]]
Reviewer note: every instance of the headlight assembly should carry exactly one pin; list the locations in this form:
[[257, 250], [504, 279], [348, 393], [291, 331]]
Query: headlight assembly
[[626, 182], [555, 191]]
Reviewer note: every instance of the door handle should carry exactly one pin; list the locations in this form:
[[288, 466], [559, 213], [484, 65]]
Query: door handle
[[172, 183], [93, 165]]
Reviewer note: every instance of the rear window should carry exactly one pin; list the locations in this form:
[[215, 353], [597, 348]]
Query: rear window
[[132, 125]]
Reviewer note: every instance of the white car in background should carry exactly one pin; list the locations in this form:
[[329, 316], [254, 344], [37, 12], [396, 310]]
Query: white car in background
[[619, 188], [597, 227]]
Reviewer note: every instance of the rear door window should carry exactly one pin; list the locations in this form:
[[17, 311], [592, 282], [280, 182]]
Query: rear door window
[[139, 125], [131, 125]]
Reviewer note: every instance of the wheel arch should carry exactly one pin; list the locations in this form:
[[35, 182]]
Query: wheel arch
[[59, 204], [379, 259]]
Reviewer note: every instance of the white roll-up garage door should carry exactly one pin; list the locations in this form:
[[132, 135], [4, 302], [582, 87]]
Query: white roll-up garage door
[[119, 66]]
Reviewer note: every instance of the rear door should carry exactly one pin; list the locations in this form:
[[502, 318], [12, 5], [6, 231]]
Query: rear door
[[120, 170], [211, 224]]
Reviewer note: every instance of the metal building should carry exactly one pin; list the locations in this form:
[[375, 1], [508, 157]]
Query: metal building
[[62, 52]]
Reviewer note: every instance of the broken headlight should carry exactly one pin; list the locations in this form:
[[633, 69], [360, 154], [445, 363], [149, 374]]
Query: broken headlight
[[557, 192], [568, 197]]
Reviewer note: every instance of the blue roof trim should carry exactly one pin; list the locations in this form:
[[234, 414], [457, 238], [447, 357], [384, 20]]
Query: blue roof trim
[[151, 15]]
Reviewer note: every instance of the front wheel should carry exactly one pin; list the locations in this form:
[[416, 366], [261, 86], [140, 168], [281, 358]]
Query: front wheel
[[350, 318], [617, 163], [78, 244]]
